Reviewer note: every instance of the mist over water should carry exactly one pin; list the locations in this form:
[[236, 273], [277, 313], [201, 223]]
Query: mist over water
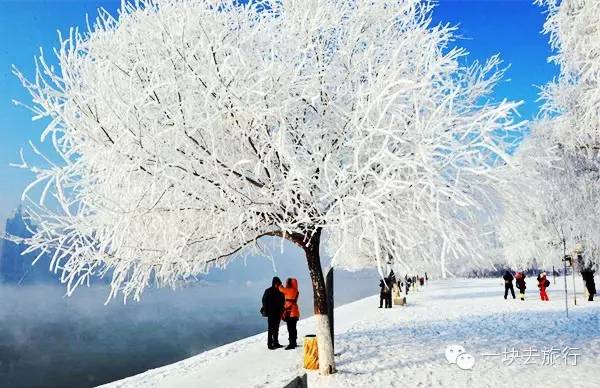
[[49, 340]]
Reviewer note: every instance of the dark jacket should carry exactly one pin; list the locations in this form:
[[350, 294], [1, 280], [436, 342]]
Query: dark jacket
[[588, 278], [543, 282], [392, 278], [272, 302], [386, 286], [508, 278]]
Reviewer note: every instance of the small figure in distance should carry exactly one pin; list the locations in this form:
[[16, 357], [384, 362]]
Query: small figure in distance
[[508, 284], [543, 283], [588, 278], [520, 280], [383, 292]]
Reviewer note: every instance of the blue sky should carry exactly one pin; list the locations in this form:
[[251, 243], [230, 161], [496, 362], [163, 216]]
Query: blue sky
[[509, 27]]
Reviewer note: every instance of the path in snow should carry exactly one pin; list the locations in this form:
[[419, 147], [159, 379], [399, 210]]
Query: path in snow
[[404, 346]]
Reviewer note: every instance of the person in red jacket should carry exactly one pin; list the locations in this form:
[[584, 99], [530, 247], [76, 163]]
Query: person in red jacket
[[291, 312], [543, 283], [520, 280]]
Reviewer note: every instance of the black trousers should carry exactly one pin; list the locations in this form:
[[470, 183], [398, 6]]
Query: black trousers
[[273, 333], [293, 333], [385, 298], [591, 291], [507, 287]]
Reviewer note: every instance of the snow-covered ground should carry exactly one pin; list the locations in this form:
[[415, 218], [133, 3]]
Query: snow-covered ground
[[530, 343]]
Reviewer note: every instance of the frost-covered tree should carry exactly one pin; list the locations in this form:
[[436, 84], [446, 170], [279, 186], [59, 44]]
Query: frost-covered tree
[[186, 130], [532, 226], [573, 99], [554, 201], [550, 203]]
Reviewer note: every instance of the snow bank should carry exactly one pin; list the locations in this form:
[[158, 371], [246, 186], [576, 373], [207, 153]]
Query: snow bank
[[405, 346]]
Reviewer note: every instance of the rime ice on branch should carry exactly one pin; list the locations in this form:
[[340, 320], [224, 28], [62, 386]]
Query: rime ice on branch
[[187, 130], [573, 99], [554, 202]]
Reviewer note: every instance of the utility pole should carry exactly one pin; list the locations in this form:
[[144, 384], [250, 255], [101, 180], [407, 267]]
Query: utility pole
[[565, 274], [573, 269], [329, 291]]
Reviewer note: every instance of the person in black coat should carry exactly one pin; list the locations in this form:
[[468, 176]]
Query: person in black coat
[[508, 284], [272, 308], [383, 292], [392, 277], [588, 278], [390, 283]]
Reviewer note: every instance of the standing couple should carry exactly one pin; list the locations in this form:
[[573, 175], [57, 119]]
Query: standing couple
[[279, 303]]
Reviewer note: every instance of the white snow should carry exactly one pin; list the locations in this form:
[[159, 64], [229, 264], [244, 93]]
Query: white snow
[[405, 346]]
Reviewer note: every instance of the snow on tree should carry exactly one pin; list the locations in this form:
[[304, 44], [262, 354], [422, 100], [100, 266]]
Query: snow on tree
[[555, 195], [186, 130], [573, 99], [532, 229], [551, 202]]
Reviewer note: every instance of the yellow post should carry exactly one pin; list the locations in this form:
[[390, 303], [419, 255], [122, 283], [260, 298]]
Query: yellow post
[[311, 352]]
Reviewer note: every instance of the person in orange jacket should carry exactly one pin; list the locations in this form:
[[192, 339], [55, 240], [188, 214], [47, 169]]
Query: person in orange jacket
[[291, 312]]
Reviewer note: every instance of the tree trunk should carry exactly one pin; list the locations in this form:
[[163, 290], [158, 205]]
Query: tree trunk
[[324, 339]]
